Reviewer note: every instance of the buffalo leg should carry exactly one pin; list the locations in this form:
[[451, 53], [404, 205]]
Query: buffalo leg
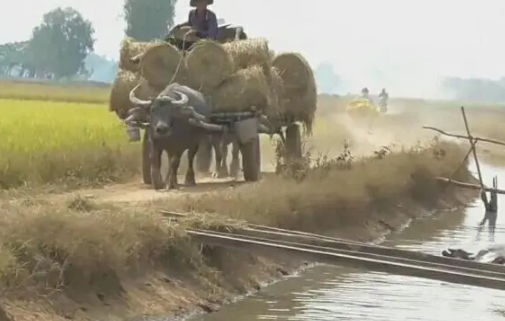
[[216, 144], [155, 158], [234, 166], [224, 159], [173, 166], [190, 174]]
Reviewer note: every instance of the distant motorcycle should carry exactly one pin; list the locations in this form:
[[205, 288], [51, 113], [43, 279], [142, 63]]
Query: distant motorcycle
[[383, 104]]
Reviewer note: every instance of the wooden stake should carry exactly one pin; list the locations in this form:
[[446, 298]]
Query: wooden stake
[[493, 202], [470, 138]]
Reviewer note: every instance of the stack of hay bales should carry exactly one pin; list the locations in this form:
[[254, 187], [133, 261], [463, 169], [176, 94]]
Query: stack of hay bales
[[129, 49], [159, 61], [234, 75]]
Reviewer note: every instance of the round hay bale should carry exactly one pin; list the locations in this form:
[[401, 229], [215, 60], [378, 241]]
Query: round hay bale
[[119, 100], [129, 49], [244, 89], [208, 64], [249, 52], [298, 104], [295, 70], [162, 64]]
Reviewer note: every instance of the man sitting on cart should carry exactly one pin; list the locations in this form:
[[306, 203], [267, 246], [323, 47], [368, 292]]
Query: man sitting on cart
[[201, 20]]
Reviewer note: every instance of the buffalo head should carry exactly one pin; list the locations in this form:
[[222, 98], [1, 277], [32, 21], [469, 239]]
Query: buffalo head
[[161, 110], [169, 106]]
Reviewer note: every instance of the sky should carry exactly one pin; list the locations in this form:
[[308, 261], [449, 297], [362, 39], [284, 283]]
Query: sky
[[403, 44]]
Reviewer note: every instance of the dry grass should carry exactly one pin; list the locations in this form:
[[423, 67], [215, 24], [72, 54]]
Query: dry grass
[[335, 192]]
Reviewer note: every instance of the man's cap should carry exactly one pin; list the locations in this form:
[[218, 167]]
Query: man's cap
[[193, 3]]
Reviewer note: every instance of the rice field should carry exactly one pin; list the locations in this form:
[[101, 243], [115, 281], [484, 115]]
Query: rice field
[[42, 91], [46, 141]]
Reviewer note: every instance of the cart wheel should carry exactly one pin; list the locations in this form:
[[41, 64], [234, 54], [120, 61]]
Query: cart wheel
[[293, 142], [146, 161], [250, 152]]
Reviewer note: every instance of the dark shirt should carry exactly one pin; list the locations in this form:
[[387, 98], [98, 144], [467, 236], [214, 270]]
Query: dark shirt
[[206, 24]]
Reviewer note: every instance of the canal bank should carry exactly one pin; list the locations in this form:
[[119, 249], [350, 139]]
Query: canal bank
[[129, 261], [295, 275], [332, 293]]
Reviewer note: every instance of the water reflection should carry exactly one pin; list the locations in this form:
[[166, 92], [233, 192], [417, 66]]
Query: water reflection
[[331, 293]]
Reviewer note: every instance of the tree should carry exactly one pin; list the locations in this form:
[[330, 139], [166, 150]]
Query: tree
[[148, 19], [13, 54], [61, 43]]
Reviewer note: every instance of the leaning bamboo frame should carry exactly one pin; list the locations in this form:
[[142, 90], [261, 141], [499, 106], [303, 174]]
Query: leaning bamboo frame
[[335, 251], [473, 140]]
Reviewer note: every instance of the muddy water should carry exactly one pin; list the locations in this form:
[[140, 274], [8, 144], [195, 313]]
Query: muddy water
[[333, 293]]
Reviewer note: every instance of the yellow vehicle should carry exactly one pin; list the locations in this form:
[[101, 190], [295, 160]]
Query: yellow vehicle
[[362, 107]]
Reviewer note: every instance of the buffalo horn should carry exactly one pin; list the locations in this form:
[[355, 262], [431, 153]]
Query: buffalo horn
[[138, 102]]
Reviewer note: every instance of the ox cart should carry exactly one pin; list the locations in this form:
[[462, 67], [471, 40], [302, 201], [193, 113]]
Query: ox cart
[[245, 127]]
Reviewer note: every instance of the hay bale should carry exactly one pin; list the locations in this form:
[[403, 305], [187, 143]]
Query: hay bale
[[129, 49], [249, 52], [296, 104], [119, 100], [244, 89], [208, 65], [278, 104], [306, 111], [295, 70], [163, 64]]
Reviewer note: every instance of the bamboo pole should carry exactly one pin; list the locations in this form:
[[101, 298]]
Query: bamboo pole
[[474, 152], [471, 186], [375, 263], [477, 139]]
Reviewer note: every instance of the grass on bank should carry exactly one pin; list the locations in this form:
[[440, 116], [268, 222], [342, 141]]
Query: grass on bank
[[49, 142], [92, 248]]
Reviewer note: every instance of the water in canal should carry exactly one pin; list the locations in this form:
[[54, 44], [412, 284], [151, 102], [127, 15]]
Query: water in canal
[[331, 293]]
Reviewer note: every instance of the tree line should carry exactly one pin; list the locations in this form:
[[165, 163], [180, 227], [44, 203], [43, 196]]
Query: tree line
[[476, 89], [58, 47]]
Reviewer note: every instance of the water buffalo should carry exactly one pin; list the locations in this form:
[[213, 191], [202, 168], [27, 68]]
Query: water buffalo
[[493, 254], [219, 142], [177, 122]]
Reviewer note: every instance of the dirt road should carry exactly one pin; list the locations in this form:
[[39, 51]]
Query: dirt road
[[396, 131]]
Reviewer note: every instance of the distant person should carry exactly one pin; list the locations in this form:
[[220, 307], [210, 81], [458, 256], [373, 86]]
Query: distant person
[[365, 94], [383, 100]]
